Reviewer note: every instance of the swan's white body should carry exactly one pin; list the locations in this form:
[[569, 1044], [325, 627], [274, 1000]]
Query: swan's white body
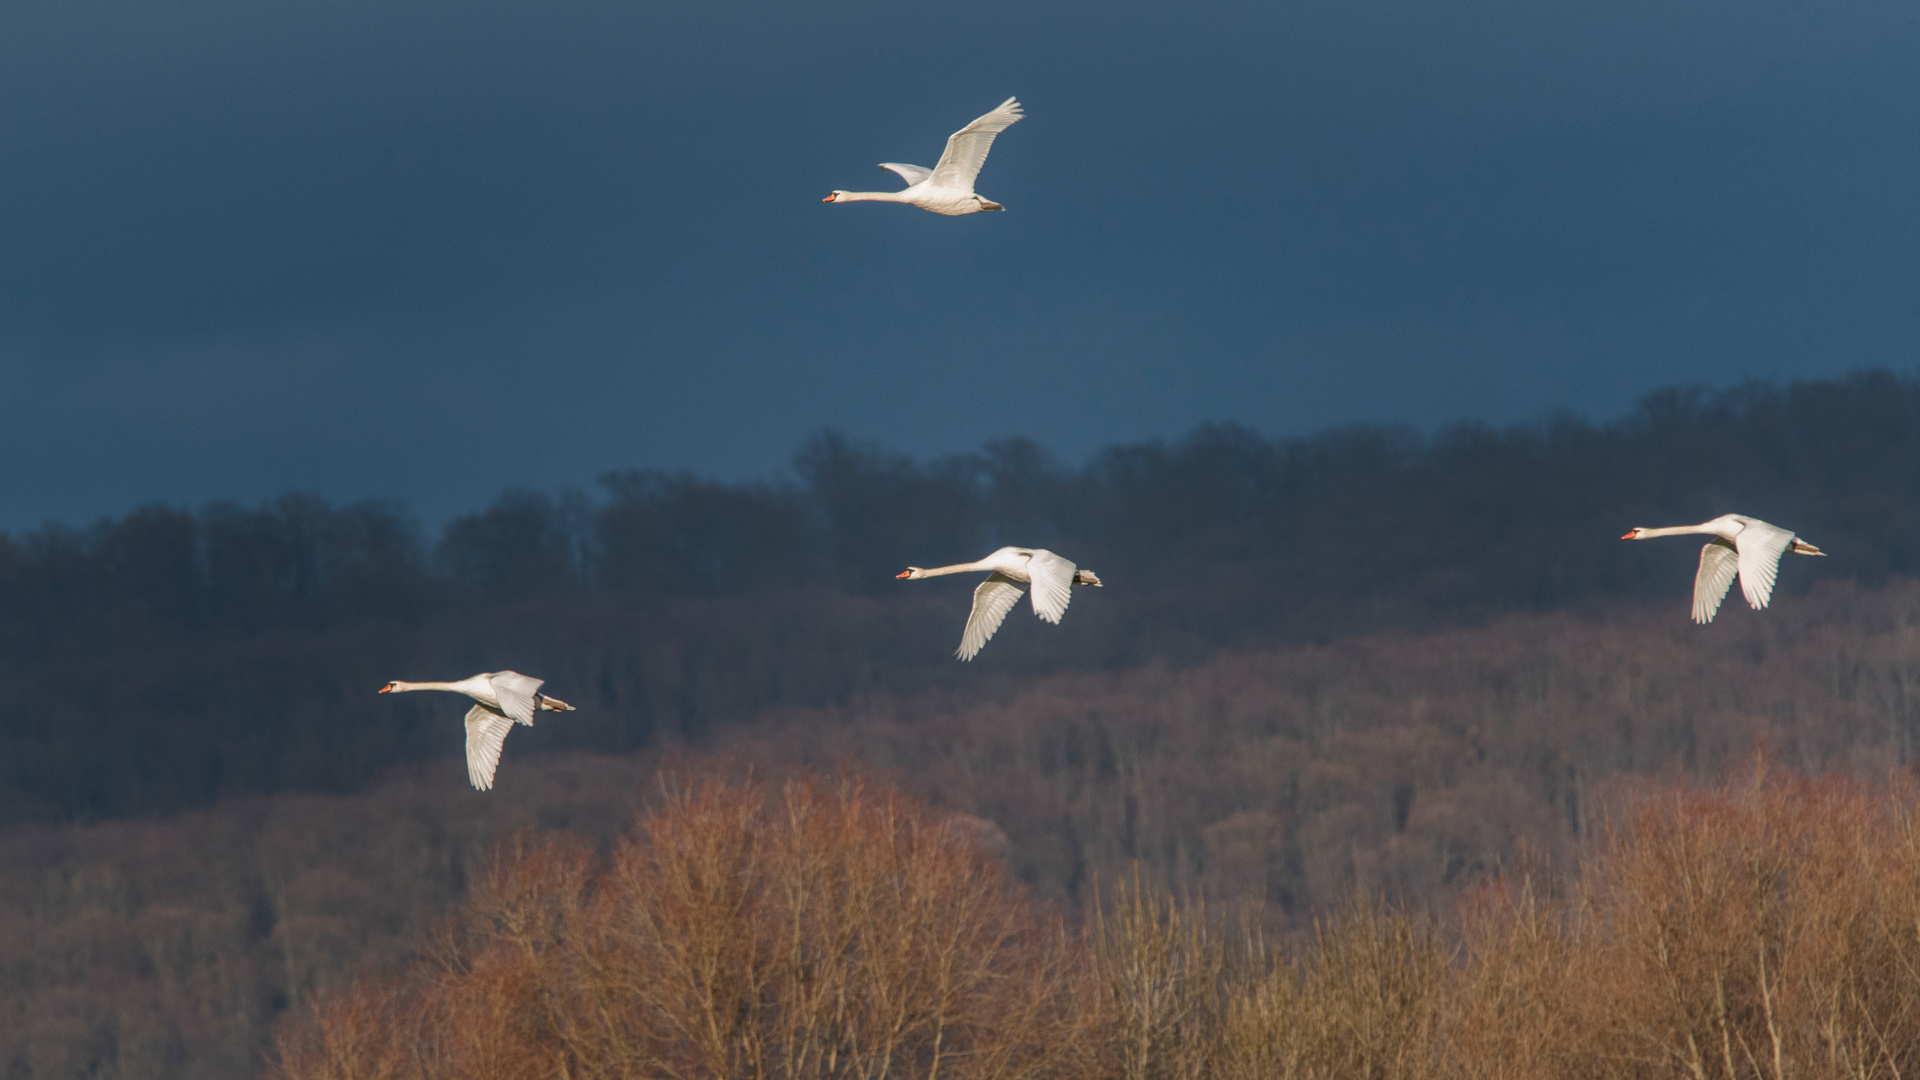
[[947, 188], [1741, 544], [505, 698], [1010, 571]]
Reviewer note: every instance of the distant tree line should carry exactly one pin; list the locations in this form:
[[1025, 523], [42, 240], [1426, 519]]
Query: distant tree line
[[170, 657]]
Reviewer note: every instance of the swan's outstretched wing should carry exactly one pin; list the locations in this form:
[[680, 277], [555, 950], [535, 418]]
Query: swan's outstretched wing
[[912, 174], [991, 601], [1052, 578], [1718, 561], [486, 734], [1761, 546], [967, 148], [515, 693]]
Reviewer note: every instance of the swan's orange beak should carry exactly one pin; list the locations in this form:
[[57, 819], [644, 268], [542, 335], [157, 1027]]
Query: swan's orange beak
[[829, 197], [386, 688], [1629, 536], [903, 574]]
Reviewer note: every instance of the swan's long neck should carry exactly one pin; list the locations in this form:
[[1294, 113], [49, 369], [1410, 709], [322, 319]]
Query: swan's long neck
[[962, 568], [402, 687], [868, 196], [1679, 530]]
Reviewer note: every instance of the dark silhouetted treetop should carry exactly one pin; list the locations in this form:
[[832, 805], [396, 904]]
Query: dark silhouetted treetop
[[170, 657]]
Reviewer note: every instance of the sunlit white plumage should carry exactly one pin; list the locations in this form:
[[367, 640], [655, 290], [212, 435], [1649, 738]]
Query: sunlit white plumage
[[947, 188], [1010, 571], [1747, 546], [504, 698]]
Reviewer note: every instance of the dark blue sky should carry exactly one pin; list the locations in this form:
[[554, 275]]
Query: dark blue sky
[[426, 250]]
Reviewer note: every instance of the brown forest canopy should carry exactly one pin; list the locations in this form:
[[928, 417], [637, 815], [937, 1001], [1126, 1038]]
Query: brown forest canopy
[[1762, 929], [171, 658]]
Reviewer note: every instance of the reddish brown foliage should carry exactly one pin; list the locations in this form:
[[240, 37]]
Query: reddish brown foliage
[[1768, 928], [823, 929]]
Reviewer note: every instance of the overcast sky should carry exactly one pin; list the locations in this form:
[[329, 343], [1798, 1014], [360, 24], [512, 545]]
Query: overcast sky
[[427, 250]]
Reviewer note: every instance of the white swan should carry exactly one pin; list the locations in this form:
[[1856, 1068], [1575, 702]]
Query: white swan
[[504, 697], [1747, 545], [947, 188], [1012, 569]]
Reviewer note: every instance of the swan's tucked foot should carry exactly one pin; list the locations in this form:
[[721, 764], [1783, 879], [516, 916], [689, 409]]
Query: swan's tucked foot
[[985, 205], [548, 704], [1801, 547], [1085, 577]]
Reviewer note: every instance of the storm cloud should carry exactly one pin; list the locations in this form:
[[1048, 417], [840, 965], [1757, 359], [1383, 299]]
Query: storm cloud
[[426, 249]]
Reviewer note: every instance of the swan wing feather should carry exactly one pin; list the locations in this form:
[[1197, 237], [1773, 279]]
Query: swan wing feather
[[1052, 578], [515, 694], [967, 148], [992, 599], [1761, 546], [486, 734], [912, 174], [1718, 560]]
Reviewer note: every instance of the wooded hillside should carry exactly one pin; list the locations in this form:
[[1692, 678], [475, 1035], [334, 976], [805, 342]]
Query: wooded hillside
[[1388, 663], [1406, 764]]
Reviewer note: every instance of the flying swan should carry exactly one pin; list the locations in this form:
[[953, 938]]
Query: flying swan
[[947, 188], [505, 697], [1747, 545], [1012, 570]]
